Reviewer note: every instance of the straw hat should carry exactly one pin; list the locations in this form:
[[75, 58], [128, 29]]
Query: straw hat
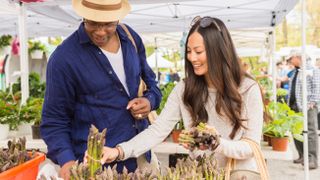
[[101, 10], [293, 53]]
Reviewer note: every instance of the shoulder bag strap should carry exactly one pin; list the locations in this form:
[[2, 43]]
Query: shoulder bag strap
[[258, 156]]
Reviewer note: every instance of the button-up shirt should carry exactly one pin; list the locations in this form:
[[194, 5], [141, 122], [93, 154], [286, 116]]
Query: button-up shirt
[[313, 87], [83, 89]]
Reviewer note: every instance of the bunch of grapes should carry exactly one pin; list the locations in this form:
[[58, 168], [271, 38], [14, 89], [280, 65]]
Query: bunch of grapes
[[200, 137]]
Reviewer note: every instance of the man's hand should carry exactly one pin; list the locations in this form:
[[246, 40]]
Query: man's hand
[[139, 107], [311, 105], [65, 170]]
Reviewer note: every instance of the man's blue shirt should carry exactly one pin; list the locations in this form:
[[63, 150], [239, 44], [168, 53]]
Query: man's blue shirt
[[83, 89]]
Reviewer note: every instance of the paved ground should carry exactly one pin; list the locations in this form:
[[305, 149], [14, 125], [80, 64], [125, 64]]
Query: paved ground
[[287, 170]]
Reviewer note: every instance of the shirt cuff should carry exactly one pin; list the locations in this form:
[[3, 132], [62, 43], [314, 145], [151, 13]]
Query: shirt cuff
[[220, 147], [151, 99], [65, 156], [126, 150]]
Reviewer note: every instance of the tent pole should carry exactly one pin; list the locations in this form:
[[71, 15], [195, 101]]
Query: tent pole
[[274, 68], [304, 92], [24, 65], [156, 53]]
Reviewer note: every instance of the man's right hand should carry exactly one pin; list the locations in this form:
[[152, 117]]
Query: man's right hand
[[65, 170]]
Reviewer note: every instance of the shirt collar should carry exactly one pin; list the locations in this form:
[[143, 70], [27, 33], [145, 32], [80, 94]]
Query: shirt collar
[[84, 38]]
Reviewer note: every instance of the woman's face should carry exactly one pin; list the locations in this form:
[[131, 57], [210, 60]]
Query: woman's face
[[196, 54]]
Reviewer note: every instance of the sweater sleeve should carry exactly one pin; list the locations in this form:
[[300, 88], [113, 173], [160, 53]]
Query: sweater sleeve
[[158, 131], [254, 107]]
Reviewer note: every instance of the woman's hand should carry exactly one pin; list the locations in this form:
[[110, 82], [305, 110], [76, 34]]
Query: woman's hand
[[108, 155], [202, 137]]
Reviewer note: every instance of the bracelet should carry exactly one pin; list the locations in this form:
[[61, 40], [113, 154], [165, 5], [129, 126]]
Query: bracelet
[[120, 156]]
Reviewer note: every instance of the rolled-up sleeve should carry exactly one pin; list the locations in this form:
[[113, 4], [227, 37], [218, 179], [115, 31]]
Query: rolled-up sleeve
[[58, 111]]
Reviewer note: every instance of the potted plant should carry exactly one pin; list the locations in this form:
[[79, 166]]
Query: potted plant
[[31, 113], [30, 116], [285, 121], [5, 44], [36, 49], [9, 119], [176, 131]]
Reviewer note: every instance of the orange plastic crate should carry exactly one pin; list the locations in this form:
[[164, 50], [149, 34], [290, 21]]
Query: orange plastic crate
[[26, 171]]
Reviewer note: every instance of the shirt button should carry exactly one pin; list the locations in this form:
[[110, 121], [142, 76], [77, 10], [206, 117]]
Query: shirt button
[[121, 89], [134, 126], [99, 52], [110, 72]]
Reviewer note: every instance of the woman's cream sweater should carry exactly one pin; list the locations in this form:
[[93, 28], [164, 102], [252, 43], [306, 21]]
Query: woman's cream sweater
[[175, 110]]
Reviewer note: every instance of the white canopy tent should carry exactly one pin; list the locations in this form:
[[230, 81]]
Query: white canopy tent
[[56, 17], [155, 60]]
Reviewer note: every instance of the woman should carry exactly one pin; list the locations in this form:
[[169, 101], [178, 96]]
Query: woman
[[216, 91]]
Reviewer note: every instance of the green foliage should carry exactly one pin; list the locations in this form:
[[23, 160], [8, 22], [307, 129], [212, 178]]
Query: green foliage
[[55, 41], [165, 91], [36, 45], [9, 114], [284, 121], [31, 112], [5, 40], [10, 110], [179, 125], [149, 50], [37, 88]]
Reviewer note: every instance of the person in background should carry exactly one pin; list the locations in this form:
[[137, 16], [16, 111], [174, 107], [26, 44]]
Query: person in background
[[93, 78], [313, 99], [317, 65], [216, 90]]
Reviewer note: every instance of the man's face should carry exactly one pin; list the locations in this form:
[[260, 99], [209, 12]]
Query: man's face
[[296, 61], [100, 32]]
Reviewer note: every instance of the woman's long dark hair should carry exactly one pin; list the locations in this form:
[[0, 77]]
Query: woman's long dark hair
[[225, 73]]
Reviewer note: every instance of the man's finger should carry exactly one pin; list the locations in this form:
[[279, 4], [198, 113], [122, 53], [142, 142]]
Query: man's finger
[[137, 108], [132, 102]]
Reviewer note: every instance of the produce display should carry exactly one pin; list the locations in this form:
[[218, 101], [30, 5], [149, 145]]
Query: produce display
[[15, 155], [202, 168], [200, 137]]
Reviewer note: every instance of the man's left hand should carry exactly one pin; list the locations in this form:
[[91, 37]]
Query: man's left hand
[[139, 107]]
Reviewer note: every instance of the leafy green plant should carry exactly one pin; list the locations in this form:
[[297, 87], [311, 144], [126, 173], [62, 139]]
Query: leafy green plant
[[165, 90], [284, 121], [31, 112], [281, 94], [5, 40], [9, 114], [179, 126], [37, 88], [36, 45]]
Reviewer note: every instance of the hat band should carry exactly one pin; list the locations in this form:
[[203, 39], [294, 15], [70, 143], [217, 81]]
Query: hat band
[[101, 7]]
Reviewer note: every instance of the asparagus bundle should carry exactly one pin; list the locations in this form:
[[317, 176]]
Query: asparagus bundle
[[200, 137], [202, 168], [95, 145], [15, 155]]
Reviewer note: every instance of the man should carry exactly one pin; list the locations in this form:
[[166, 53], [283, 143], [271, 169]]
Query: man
[[93, 78], [295, 103]]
